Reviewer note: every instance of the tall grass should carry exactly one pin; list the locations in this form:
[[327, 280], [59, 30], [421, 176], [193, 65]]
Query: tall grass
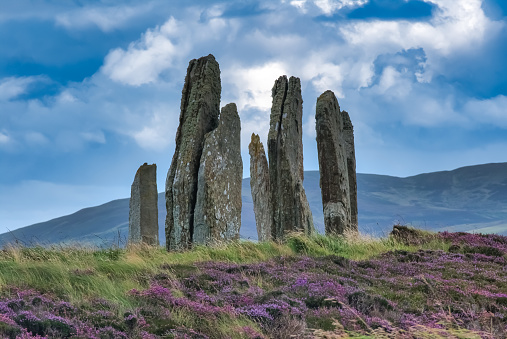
[[315, 286], [77, 273]]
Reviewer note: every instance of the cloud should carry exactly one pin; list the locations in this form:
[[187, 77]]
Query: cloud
[[490, 111], [12, 87], [323, 74], [4, 138], [326, 7], [455, 26], [95, 136], [391, 75], [252, 85], [160, 132], [167, 47], [146, 58], [105, 18]]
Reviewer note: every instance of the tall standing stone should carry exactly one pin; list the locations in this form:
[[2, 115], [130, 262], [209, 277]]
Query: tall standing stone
[[143, 213], [348, 136], [218, 207], [290, 208], [259, 184], [333, 145], [200, 108]]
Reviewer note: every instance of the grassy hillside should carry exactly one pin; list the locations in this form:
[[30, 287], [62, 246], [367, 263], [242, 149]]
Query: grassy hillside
[[472, 199], [414, 285]]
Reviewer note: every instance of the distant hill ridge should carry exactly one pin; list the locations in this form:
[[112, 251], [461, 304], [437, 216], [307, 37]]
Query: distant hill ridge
[[470, 199]]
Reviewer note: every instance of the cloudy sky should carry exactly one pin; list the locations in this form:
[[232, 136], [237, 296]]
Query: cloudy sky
[[90, 89]]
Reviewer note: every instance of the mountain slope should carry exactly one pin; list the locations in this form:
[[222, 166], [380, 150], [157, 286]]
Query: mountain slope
[[472, 198]]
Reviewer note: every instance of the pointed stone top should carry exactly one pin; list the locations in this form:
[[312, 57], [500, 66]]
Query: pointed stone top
[[327, 95], [280, 83], [347, 123], [207, 57], [145, 167], [327, 98], [229, 113], [255, 147]]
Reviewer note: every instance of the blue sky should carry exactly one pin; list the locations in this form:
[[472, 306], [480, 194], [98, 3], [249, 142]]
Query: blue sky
[[90, 90]]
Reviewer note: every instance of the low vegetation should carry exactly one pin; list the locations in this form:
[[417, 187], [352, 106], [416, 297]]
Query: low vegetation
[[413, 285]]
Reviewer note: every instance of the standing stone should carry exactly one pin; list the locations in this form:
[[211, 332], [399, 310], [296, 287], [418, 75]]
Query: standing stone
[[348, 136], [333, 153], [218, 208], [290, 208], [143, 213], [259, 184], [200, 108]]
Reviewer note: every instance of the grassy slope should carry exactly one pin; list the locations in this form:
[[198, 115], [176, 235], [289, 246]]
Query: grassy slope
[[320, 286]]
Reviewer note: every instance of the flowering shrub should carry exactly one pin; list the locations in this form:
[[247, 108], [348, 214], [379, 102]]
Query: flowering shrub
[[457, 293], [28, 314]]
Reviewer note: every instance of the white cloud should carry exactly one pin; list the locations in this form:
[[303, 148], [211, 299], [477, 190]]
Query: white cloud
[[428, 111], [488, 111], [4, 138], [160, 131], [324, 75], [327, 7], [95, 136], [145, 59], [165, 47], [252, 85], [105, 18], [258, 123], [66, 97], [299, 4], [309, 125], [455, 26], [11, 87]]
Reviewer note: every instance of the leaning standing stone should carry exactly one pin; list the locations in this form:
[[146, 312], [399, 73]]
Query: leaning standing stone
[[143, 213], [200, 108], [290, 208], [259, 184], [334, 177], [348, 136], [218, 208]]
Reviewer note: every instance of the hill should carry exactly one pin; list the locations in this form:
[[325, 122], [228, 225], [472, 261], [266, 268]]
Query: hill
[[471, 199]]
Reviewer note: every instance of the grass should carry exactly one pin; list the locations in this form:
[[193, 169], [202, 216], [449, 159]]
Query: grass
[[319, 286], [80, 273]]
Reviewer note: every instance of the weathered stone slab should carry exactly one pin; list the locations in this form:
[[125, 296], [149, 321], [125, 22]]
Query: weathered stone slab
[[348, 137], [200, 108], [334, 143], [259, 184], [290, 208], [218, 208], [143, 213]]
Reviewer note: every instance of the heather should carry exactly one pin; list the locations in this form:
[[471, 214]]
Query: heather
[[421, 285]]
